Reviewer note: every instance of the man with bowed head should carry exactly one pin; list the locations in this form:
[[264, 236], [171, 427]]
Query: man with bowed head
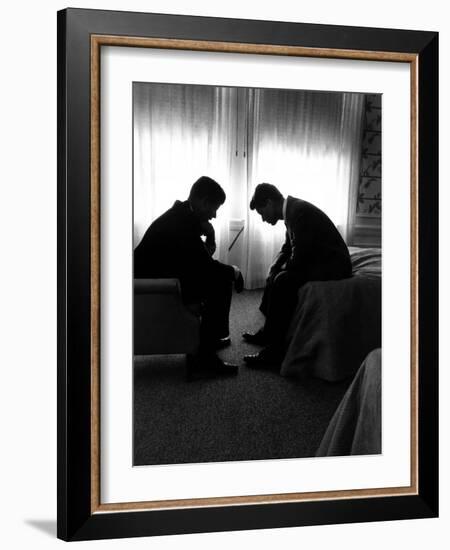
[[173, 247], [313, 251]]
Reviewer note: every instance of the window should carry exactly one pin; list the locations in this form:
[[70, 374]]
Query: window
[[306, 143]]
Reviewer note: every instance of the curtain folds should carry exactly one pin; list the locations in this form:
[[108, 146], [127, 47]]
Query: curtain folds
[[181, 132], [306, 143]]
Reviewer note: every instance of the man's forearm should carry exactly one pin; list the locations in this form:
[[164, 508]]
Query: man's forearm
[[279, 263], [210, 245]]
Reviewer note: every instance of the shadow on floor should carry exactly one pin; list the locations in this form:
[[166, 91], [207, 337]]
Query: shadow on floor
[[47, 526]]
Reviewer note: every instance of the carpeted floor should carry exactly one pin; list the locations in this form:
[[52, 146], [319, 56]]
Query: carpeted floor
[[252, 416]]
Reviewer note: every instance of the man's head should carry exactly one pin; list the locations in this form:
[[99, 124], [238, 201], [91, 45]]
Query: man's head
[[268, 202], [205, 197]]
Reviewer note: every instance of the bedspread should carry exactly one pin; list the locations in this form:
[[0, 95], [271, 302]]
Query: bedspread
[[355, 427], [336, 323]]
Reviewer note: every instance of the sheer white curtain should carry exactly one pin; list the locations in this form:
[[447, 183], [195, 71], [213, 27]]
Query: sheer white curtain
[[180, 133], [308, 145]]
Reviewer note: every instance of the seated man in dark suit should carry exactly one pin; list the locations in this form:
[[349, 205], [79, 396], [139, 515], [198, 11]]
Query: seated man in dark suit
[[173, 247], [313, 251]]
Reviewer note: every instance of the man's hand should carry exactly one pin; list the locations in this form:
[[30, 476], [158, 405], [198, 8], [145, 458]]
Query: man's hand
[[273, 272], [271, 276], [210, 242], [208, 230]]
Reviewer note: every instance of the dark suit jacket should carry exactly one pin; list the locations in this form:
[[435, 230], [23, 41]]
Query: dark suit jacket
[[314, 248], [172, 247]]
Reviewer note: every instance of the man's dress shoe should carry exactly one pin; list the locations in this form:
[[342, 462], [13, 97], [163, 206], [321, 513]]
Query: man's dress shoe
[[221, 343], [257, 338], [267, 358], [217, 366], [207, 366]]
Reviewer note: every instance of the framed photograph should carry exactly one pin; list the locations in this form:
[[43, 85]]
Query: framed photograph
[[247, 274]]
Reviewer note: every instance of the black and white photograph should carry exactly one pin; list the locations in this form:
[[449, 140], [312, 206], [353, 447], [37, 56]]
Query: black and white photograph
[[225, 303], [257, 258]]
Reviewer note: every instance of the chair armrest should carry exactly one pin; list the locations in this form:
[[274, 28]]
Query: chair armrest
[[162, 323], [157, 286]]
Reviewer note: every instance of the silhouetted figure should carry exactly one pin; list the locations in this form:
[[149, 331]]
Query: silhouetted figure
[[313, 251], [172, 247]]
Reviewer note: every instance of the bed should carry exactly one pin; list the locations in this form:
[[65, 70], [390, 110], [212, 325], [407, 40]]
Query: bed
[[355, 428], [337, 323]]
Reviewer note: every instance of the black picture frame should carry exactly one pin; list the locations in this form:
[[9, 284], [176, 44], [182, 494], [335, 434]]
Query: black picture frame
[[78, 518]]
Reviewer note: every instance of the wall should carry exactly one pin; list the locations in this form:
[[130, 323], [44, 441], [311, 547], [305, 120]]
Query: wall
[[28, 275], [367, 224]]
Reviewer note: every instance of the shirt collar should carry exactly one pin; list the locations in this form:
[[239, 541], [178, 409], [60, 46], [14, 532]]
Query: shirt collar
[[284, 208]]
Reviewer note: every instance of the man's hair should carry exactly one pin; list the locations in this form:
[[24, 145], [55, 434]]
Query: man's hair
[[263, 193], [207, 188]]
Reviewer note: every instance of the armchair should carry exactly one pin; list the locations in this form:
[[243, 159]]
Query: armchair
[[162, 323]]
